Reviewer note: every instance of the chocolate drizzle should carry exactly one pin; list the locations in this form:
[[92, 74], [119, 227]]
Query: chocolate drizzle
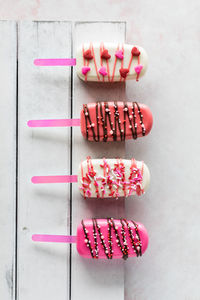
[[107, 242], [88, 119], [118, 130], [141, 119]]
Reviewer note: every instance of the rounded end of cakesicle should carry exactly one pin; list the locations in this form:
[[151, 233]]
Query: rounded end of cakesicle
[[146, 177], [147, 117], [143, 236], [144, 60]]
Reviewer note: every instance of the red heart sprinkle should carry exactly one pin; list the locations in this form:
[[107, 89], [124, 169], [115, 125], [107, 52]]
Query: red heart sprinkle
[[135, 51], [105, 54], [123, 72], [88, 54]]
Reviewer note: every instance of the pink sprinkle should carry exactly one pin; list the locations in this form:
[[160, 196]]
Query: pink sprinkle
[[85, 70], [119, 54], [92, 173], [88, 193], [138, 69], [85, 185], [102, 71], [118, 172], [99, 178]]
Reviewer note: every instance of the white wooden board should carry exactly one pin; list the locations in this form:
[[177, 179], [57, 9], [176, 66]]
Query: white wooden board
[[46, 93], [8, 65], [93, 279], [43, 93]]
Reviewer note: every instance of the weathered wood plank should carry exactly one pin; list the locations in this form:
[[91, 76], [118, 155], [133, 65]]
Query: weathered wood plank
[[95, 279], [8, 63], [43, 93]]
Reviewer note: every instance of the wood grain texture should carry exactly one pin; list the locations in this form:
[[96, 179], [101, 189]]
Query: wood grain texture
[[95, 279], [45, 271], [8, 64], [43, 93]]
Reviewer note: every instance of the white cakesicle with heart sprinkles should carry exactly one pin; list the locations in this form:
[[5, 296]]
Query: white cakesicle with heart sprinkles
[[104, 62], [109, 62], [105, 178]]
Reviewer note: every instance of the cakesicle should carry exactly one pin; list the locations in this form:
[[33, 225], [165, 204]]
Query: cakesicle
[[115, 121], [104, 62], [110, 62], [106, 178], [105, 238], [107, 121], [103, 178]]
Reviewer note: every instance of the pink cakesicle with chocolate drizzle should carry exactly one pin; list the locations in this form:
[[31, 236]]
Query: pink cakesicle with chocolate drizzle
[[107, 121], [104, 238], [106, 178], [104, 62]]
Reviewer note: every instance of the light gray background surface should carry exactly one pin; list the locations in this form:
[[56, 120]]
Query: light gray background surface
[[170, 32]]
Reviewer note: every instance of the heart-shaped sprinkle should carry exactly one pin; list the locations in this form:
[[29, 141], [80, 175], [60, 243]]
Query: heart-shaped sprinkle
[[102, 71], [88, 54], [135, 51], [138, 69], [105, 54], [123, 72], [119, 54], [85, 70]]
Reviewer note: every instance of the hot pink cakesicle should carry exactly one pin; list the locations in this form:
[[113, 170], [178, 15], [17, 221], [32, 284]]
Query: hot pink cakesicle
[[104, 62], [107, 121], [105, 238]]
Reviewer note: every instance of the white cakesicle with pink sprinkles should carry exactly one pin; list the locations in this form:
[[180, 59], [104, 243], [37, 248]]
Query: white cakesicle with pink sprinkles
[[104, 62], [112, 178], [106, 178]]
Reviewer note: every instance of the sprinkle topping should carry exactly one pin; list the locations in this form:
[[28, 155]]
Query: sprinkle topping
[[89, 60], [112, 180]]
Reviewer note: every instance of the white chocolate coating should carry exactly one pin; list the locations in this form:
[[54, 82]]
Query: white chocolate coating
[[109, 179], [113, 64]]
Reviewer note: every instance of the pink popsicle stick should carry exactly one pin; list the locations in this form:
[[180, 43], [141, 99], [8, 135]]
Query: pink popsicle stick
[[54, 123], [54, 238], [54, 179], [55, 62]]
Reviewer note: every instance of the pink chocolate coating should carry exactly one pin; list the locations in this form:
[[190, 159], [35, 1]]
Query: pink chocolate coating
[[131, 245], [110, 121]]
